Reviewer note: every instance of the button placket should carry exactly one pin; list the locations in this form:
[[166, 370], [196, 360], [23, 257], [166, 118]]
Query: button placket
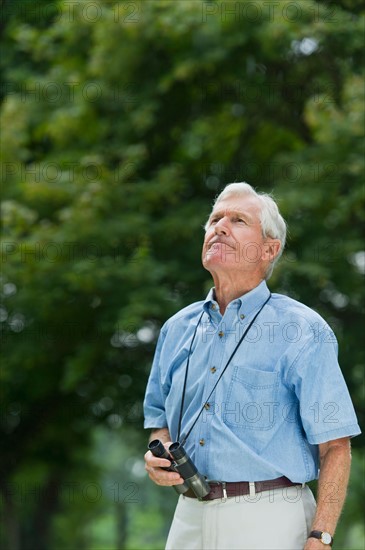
[[215, 358]]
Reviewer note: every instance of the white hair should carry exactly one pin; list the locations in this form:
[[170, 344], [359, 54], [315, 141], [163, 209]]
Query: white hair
[[272, 222]]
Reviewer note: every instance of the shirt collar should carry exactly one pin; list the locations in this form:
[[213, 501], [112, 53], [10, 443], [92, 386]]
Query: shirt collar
[[245, 304]]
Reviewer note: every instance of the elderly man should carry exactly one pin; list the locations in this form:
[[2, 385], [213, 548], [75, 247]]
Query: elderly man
[[250, 382]]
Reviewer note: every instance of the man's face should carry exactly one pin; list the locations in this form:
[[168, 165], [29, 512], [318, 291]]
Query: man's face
[[233, 240]]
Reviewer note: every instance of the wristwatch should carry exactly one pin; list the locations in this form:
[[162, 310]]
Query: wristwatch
[[323, 536]]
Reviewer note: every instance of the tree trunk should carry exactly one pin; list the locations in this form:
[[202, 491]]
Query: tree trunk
[[122, 522], [10, 530], [40, 526]]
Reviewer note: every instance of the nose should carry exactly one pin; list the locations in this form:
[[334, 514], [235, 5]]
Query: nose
[[222, 226]]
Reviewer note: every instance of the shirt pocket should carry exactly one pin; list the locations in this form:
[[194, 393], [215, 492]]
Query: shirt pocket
[[251, 399]]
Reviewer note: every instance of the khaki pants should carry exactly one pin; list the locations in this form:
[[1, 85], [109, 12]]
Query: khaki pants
[[279, 519]]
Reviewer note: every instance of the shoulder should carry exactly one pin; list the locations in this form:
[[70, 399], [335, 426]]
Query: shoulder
[[292, 311], [184, 317]]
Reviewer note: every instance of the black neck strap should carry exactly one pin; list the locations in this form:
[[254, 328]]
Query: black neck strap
[[220, 376]]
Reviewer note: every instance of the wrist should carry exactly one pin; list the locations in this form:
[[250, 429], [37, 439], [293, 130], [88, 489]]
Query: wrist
[[323, 536]]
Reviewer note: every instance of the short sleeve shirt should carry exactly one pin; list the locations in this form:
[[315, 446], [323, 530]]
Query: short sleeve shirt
[[282, 394]]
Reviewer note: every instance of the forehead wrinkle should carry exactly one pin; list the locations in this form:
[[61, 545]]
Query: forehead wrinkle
[[230, 212]]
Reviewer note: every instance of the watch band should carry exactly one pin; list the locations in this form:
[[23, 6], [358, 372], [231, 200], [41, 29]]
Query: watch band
[[323, 536]]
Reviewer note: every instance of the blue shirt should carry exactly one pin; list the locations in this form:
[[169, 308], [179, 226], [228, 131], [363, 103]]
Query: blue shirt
[[282, 394]]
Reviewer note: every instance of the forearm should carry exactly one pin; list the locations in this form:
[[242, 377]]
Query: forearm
[[160, 433], [332, 486]]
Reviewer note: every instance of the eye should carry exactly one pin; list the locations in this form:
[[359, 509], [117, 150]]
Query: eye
[[214, 220]]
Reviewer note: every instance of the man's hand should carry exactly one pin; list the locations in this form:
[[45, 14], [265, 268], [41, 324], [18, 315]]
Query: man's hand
[[154, 467]]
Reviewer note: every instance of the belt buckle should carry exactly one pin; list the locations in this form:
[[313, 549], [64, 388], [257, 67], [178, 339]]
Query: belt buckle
[[224, 489]]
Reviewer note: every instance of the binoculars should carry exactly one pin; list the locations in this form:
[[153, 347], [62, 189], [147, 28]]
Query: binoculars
[[183, 465]]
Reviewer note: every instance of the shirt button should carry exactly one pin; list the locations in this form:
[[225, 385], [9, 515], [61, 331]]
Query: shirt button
[[221, 334], [202, 442], [212, 370], [242, 316], [214, 306], [207, 406]]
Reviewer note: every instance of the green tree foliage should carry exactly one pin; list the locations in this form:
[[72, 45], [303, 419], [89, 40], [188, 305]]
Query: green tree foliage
[[121, 121]]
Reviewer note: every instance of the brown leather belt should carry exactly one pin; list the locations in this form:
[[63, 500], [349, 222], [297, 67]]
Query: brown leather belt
[[221, 489]]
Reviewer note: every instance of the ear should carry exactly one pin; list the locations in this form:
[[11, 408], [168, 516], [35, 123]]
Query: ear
[[271, 249]]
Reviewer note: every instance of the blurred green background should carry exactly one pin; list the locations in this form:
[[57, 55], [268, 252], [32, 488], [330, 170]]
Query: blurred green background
[[120, 123]]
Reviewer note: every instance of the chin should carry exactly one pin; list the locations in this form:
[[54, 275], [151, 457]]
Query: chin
[[217, 263]]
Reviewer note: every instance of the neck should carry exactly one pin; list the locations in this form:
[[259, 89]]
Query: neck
[[227, 290]]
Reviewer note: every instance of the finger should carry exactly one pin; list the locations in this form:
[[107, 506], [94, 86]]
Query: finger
[[156, 462], [161, 477], [169, 482]]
